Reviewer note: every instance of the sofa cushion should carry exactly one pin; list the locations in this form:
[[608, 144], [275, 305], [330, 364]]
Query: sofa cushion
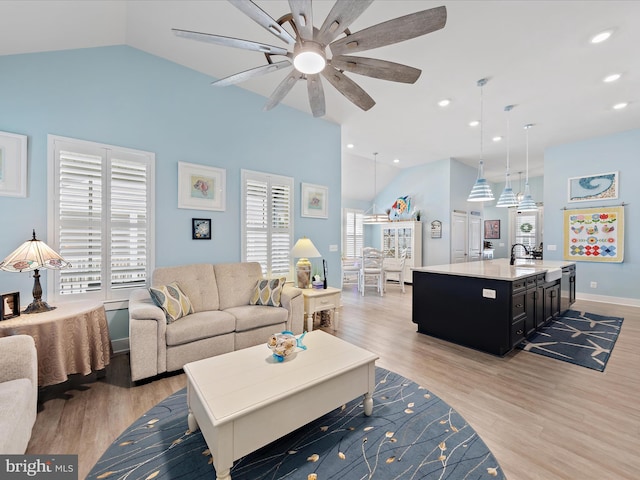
[[172, 300], [236, 282], [253, 316], [268, 292], [200, 325], [197, 281], [15, 415]]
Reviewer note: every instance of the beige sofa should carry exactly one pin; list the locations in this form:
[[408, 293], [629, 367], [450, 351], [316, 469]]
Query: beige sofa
[[223, 320], [18, 392]]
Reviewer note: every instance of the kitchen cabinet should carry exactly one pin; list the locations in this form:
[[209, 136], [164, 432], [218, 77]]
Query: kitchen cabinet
[[489, 305], [397, 236]]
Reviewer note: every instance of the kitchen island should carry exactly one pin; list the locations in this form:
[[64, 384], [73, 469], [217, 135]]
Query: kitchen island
[[490, 305]]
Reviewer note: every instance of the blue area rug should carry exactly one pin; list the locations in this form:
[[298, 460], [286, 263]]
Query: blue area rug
[[412, 434], [585, 339]]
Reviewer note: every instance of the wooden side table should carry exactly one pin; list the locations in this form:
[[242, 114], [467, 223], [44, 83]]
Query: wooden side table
[[73, 338], [319, 299]]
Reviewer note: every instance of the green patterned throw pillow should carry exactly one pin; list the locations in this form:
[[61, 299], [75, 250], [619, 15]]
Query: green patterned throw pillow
[[268, 292], [172, 300]]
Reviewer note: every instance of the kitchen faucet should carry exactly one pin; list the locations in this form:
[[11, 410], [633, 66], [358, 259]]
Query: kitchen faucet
[[513, 255]]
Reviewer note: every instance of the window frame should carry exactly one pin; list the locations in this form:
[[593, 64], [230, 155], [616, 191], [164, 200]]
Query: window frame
[[270, 179], [112, 298], [355, 214]]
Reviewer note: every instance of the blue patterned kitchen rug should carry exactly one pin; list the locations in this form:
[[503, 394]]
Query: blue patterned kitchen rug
[[582, 338], [412, 434]]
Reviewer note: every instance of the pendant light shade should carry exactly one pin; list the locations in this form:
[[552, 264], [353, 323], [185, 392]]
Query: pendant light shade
[[371, 216], [527, 204], [507, 198], [481, 191]]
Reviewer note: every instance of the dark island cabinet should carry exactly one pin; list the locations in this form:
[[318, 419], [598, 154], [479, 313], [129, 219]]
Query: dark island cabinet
[[491, 315]]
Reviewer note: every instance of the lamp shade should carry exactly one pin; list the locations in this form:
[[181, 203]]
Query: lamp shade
[[507, 199], [31, 255], [304, 248], [481, 192], [527, 204]]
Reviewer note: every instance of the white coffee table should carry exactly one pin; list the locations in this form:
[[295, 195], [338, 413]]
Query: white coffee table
[[245, 399]]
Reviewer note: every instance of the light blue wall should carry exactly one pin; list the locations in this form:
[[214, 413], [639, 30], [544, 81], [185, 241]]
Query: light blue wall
[[436, 189], [125, 97], [619, 152]]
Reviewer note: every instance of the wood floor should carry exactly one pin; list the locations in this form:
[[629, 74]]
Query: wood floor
[[542, 418]]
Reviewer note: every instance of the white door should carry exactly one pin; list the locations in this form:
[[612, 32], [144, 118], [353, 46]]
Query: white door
[[459, 237], [475, 238]]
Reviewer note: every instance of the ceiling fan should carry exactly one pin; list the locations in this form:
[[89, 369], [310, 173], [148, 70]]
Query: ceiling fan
[[309, 49]]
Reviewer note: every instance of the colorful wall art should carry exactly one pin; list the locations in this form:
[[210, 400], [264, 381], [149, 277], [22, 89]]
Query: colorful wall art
[[594, 234]]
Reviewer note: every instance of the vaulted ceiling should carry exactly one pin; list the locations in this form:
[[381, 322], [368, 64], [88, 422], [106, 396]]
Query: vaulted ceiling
[[537, 56]]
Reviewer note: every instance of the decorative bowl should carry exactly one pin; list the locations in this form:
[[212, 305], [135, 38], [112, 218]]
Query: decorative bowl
[[282, 345]]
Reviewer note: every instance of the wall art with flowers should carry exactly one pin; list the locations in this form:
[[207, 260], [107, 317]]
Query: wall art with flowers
[[594, 234]]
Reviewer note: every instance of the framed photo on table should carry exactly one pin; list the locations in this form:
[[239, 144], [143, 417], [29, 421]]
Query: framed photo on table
[[492, 229], [13, 165], [201, 187], [9, 305], [315, 200]]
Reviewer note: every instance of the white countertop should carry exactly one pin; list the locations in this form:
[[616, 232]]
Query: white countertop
[[498, 269]]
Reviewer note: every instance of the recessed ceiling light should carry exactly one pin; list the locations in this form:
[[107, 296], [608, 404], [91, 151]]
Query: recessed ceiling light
[[601, 37], [620, 106], [396, 160], [496, 139], [611, 78], [349, 145], [444, 102], [474, 123]]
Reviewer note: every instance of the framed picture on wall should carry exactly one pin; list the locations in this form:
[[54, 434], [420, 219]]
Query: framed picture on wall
[[315, 200], [201, 187], [13, 165], [201, 228], [602, 186], [492, 229]]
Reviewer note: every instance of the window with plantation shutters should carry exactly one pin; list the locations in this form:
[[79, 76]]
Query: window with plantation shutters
[[527, 228], [352, 233], [267, 227], [101, 218]]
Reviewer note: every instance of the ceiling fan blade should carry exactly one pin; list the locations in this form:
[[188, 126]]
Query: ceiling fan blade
[[230, 42], [281, 90], [393, 31], [349, 88], [372, 67], [316, 95], [302, 17], [340, 17], [263, 19], [253, 72]]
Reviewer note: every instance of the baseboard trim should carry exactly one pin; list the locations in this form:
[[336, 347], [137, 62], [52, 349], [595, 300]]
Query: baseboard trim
[[120, 345], [630, 302]]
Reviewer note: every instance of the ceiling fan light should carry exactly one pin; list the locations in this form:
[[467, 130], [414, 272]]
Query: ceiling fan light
[[309, 59]]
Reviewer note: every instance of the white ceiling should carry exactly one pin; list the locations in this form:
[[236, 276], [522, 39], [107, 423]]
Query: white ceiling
[[536, 55]]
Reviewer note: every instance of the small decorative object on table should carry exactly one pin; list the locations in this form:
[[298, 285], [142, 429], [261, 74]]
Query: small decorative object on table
[[317, 282], [284, 344], [9, 305]]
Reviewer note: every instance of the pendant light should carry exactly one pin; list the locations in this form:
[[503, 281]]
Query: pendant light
[[370, 216], [507, 199], [481, 191], [527, 204]]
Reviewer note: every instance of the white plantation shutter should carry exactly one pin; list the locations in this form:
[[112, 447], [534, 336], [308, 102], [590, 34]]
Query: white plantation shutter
[[101, 218], [352, 233], [267, 229]]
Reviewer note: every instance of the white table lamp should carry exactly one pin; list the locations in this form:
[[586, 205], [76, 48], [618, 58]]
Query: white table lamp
[[303, 250]]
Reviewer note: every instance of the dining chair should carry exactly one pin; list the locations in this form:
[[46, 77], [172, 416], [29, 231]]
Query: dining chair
[[396, 270], [351, 271], [372, 269]]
